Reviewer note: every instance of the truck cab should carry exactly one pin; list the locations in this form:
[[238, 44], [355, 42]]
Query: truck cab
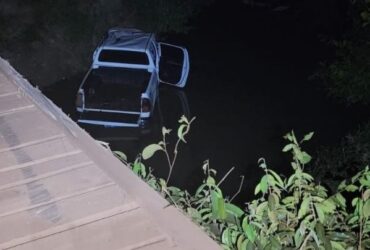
[[121, 86]]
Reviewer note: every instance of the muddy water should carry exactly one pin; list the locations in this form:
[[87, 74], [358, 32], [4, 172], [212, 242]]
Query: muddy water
[[248, 86]]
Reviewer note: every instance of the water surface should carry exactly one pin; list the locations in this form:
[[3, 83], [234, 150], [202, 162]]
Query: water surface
[[248, 86]]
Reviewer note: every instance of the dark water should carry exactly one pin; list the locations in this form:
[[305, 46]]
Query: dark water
[[247, 87]]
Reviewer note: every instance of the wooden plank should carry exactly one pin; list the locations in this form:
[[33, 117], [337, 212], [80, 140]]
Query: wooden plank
[[28, 143], [29, 175], [6, 86], [167, 244], [52, 160], [64, 215], [29, 127], [108, 233], [51, 187], [13, 103], [33, 153]]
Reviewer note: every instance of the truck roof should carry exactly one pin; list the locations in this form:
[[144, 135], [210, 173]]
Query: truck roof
[[127, 38]]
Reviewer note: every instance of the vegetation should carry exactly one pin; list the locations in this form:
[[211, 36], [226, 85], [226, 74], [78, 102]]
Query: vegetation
[[347, 76], [64, 33], [333, 164], [291, 212]]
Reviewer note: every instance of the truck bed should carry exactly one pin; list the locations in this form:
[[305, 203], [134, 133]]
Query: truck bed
[[115, 88]]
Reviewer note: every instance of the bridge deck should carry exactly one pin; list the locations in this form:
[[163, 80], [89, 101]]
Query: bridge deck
[[59, 189]]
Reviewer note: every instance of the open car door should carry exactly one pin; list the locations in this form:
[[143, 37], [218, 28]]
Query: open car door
[[173, 65]]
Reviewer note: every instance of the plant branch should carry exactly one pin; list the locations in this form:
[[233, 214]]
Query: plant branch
[[305, 241], [240, 188], [225, 176]]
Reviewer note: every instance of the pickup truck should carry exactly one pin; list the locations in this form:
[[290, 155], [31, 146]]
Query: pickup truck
[[121, 87]]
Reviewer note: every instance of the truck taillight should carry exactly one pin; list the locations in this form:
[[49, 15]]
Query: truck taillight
[[145, 105], [80, 99]]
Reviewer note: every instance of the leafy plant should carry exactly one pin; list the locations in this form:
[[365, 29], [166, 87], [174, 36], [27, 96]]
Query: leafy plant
[[334, 164], [346, 77], [183, 129], [288, 213]]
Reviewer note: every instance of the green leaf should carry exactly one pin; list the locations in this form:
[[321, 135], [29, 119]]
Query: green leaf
[[200, 189], [120, 155], [305, 158], [257, 189], [320, 230], [314, 236], [304, 207], [277, 178], [366, 243], [351, 188], [264, 184], [273, 200], [288, 200], [250, 246], [275, 243], [366, 194], [183, 119], [307, 177], [150, 150], [240, 241], [320, 212], [226, 237], [307, 137], [342, 186], [355, 201], [340, 200], [294, 165], [271, 180], [298, 238], [234, 210], [218, 206], [353, 219], [290, 180], [328, 206], [165, 131], [337, 245], [234, 236], [163, 183], [249, 230], [288, 147], [180, 132], [289, 137], [366, 209], [139, 169], [355, 178], [194, 214], [211, 181], [261, 208], [244, 244], [364, 181], [143, 170]]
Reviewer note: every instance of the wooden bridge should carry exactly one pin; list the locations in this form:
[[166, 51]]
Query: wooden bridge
[[59, 189]]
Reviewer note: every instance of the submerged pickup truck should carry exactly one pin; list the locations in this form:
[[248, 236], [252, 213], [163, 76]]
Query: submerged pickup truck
[[121, 87]]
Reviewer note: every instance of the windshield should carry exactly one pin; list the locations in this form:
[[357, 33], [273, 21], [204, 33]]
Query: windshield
[[123, 56]]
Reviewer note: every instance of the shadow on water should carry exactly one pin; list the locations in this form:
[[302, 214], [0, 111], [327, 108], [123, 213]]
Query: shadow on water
[[248, 86]]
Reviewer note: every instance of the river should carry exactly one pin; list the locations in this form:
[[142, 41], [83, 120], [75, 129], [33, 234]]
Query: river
[[248, 86]]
